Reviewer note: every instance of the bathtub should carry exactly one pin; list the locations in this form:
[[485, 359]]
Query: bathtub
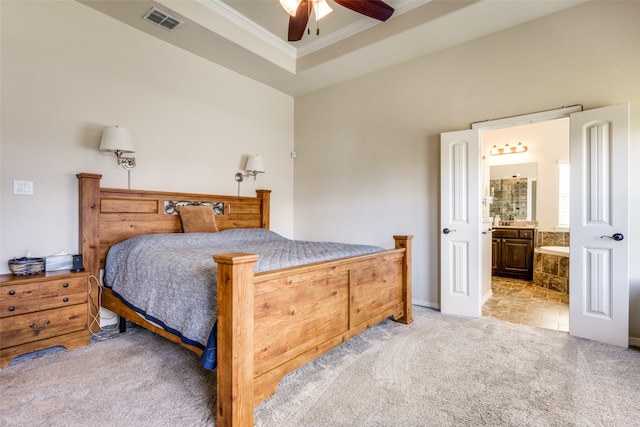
[[553, 250], [551, 268]]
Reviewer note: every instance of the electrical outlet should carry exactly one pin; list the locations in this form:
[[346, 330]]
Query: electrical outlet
[[24, 188]]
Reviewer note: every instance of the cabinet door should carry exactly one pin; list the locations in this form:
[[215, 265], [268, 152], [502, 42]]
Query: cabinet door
[[41, 325], [496, 254], [517, 257]]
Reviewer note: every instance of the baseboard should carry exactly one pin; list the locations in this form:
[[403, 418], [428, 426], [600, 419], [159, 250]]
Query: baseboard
[[486, 296], [634, 342], [423, 303]]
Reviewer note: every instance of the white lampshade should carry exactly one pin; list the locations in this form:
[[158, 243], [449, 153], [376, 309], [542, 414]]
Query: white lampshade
[[116, 138], [322, 9], [255, 164], [291, 6]]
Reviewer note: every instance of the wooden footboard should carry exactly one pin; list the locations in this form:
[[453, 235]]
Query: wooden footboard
[[268, 323], [274, 322]]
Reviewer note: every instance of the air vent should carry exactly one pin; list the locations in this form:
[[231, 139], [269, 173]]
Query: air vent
[[161, 18]]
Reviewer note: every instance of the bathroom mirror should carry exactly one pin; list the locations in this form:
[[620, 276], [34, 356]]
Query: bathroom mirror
[[513, 187]]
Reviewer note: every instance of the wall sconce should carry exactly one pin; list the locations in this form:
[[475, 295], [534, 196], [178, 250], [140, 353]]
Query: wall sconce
[[118, 140], [254, 166], [508, 150]]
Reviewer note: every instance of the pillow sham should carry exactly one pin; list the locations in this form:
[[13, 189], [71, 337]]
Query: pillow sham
[[197, 219]]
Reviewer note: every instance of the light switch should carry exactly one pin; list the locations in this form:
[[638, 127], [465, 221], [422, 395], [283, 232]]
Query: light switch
[[24, 188]]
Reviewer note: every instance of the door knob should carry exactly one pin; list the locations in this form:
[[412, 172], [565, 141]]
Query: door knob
[[617, 237], [447, 231]]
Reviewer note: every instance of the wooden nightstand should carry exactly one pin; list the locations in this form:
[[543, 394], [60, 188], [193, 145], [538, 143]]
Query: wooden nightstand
[[42, 310]]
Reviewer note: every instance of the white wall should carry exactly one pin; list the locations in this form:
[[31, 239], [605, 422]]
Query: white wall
[[68, 71], [368, 149]]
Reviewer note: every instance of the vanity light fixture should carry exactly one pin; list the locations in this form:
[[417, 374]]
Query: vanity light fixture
[[520, 148], [118, 141]]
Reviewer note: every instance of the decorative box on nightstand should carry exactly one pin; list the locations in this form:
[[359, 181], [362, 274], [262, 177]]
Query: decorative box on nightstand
[[42, 310]]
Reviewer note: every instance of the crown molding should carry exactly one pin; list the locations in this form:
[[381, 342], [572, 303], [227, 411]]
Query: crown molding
[[260, 32], [242, 21], [358, 26]]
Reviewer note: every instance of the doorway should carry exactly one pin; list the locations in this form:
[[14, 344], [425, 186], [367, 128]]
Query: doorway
[[524, 188], [600, 139]]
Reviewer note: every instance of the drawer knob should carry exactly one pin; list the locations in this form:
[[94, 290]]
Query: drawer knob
[[66, 285], [65, 299], [12, 292], [12, 308], [39, 328]]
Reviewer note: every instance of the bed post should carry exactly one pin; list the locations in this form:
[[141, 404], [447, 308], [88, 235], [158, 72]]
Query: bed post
[[235, 340], [265, 207], [405, 242], [89, 235]]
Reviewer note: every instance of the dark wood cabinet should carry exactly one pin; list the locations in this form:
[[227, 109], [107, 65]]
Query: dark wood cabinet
[[512, 252]]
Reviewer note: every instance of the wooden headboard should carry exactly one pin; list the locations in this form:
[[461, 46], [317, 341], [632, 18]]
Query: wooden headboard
[[111, 215]]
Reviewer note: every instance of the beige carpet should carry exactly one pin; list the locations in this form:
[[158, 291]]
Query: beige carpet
[[438, 371]]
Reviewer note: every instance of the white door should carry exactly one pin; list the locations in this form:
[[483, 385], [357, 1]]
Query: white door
[[460, 221], [599, 261]]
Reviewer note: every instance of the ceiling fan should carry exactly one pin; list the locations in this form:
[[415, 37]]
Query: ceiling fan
[[301, 9]]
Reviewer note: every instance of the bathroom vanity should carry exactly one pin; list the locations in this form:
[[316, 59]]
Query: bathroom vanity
[[512, 251]]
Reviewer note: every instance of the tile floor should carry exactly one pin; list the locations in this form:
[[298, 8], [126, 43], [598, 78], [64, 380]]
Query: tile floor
[[519, 301]]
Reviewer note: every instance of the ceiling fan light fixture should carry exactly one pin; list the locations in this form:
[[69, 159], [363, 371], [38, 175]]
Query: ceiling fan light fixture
[[291, 6], [322, 9]]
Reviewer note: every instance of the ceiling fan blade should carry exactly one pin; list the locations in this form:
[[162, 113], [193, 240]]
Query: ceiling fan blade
[[376, 9], [298, 23]]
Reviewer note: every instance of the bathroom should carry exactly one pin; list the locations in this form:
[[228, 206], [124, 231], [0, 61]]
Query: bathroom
[[525, 197]]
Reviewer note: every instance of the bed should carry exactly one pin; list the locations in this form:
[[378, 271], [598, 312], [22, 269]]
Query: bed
[[268, 322]]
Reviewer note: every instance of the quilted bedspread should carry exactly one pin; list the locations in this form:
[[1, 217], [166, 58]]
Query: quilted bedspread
[[170, 279]]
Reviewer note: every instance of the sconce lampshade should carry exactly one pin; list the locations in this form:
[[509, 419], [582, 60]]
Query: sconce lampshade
[[116, 138], [255, 164]]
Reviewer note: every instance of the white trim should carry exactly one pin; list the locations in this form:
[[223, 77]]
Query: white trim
[[354, 28], [423, 303], [260, 32], [242, 21], [558, 113], [335, 36], [486, 296]]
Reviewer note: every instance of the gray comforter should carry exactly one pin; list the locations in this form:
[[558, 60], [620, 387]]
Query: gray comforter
[[171, 278]]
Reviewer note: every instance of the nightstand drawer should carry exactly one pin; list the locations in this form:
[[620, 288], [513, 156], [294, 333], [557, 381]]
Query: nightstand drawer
[[18, 299], [30, 297], [61, 293], [30, 327]]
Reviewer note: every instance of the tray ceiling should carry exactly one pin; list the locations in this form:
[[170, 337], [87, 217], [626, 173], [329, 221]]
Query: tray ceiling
[[249, 36]]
